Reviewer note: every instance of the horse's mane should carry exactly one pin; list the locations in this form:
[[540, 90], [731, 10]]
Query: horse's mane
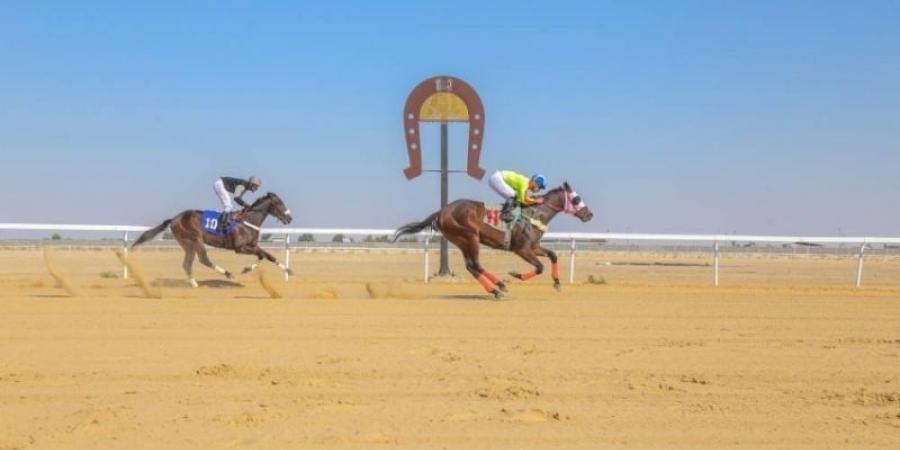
[[259, 201], [554, 191], [557, 190], [551, 191]]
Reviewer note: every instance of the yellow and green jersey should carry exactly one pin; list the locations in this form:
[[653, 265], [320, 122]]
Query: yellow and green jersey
[[518, 182]]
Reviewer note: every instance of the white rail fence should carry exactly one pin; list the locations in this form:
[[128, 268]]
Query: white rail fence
[[127, 231]]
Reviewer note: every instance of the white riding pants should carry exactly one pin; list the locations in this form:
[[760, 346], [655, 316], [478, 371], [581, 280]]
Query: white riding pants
[[224, 196], [500, 187]]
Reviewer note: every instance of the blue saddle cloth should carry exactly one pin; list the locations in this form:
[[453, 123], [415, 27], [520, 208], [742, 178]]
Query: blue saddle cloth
[[210, 221]]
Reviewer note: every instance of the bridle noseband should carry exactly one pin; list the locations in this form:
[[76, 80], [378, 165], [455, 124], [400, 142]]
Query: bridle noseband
[[568, 208]]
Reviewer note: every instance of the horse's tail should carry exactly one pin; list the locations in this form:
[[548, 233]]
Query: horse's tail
[[415, 227], [151, 233]]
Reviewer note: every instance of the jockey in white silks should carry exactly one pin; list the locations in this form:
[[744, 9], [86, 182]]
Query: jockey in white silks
[[230, 190]]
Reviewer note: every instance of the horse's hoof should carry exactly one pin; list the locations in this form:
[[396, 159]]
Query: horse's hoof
[[229, 276], [502, 287], [557, 286], [516, 275], [289, 271], [246, 270], [498, 294], [194, 283]]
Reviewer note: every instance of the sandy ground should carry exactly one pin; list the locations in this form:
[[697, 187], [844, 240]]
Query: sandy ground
[[361, 354]]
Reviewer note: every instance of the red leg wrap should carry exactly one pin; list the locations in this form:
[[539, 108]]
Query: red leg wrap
[[488, 285]]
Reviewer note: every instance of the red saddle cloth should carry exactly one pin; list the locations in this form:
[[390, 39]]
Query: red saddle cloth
[[493, 217]]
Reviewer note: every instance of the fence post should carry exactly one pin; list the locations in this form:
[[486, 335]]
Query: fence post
[[287, 256], [427, 257], [859, 265], [125, 254], [572, 261], [716, 264]]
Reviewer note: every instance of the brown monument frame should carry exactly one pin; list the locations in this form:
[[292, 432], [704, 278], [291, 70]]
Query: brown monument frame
[[412, 121], [411, 127]]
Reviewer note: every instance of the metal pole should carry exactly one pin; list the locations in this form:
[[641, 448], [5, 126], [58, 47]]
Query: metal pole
[[427, 257], [125, 253], [716, 264], [287, 256], [572, 262], [444, 271], [859, 266]]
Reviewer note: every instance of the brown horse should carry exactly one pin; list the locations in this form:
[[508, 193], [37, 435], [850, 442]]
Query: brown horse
[[462, 223], [243, 238]]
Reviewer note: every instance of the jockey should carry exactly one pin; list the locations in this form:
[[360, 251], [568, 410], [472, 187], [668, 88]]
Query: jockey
[[515, 187], [228, 189]]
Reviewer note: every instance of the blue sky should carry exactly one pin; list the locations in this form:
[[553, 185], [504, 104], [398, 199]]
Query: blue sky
[[730, 116]]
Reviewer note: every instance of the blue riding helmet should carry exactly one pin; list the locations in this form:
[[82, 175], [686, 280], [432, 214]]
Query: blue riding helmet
[[540, 181]]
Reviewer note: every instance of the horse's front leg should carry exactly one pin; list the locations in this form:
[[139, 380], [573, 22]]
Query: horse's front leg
[[260, 255], [250, 251], [243, 244], [264, 254], [554, 264], [527, 253]]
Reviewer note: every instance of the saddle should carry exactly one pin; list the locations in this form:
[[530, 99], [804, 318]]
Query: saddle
[[211, 221], [522, 218], [493, 218]]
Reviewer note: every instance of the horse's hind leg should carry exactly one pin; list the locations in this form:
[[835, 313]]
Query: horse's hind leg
[[204, 259], [491, 283], [188, 262], [188, 265]]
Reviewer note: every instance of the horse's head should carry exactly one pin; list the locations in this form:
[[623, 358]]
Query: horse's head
[[573, 204], [277, 208]]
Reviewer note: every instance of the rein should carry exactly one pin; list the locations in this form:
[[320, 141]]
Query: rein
[[262, 207], [568, 207]]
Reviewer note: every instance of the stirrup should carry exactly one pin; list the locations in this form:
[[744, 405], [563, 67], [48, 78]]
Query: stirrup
[[223, 222], [506, 212], [507, 235]]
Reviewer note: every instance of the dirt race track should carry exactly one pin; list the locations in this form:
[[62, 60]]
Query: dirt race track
[[360, 354]]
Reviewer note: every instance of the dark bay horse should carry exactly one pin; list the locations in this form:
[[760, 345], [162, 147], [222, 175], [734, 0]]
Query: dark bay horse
[[243, 238], [462, 223]]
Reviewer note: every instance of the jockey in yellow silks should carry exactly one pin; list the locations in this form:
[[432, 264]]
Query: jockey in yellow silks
[[516, 188]]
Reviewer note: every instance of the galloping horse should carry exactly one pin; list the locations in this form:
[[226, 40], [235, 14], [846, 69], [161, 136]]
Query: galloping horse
[[243, 238], [462, 223]]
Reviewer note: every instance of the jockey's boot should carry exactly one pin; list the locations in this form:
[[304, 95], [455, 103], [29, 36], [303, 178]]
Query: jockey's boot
[[223, 221], [506, 213]]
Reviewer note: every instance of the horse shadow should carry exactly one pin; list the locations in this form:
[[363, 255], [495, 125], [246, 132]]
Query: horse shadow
[[470, 297], [179, 283]]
